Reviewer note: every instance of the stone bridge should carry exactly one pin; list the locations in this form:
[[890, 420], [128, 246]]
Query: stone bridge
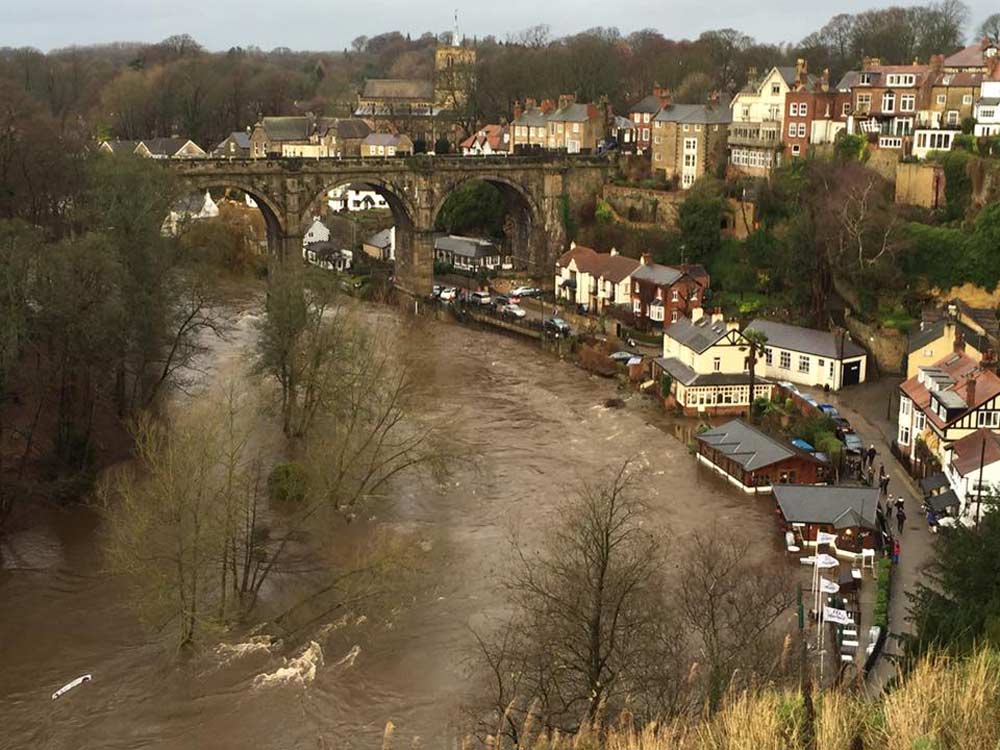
[[539, 191]]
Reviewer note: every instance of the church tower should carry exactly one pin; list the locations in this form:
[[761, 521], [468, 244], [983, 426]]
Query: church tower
[[454, 71]]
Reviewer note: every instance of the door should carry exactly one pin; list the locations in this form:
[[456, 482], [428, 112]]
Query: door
[[851, 373]]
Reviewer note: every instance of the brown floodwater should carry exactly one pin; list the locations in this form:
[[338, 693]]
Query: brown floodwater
[[533, 426]]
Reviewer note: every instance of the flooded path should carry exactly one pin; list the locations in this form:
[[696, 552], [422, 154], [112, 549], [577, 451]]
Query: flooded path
[[537, 427]]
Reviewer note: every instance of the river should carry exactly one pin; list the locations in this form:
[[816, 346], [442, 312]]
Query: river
[[537, 426]]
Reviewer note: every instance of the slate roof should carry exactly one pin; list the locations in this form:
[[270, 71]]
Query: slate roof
[[295, 128], [573, 113], [352, 128], [164, 146], [382, 139], [469, 247], [684, 375], [617, 268], [648, 104], [704, 114], [807, 340], [840, 507], [240, 137], [658, 274], [967, 451], [399, 88], [969, 57], [381, 239], [951, 375], [748, 447], [699, 336], [121, 147], [932, 332], [532, 117], [623, 123]]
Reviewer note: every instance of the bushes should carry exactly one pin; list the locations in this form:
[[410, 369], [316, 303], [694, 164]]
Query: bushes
[[287, 482], [883, 587]]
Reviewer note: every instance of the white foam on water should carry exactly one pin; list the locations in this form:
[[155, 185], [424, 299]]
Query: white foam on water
[[300, 670]]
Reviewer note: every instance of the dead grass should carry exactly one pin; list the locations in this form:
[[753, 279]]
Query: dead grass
[[943, 704]]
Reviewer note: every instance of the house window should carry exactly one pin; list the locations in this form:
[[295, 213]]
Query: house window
[[657, 140], [865, 79], [804, 363], [674, 295], [904, 435], [967, 99], [901, 80], [785, 361], [942, 99], [793, 109], [864, 102], [905, 405], [768, 356], [673, 316], [746, 113], [645, 116], [888, 101], [907, 103], [796, 149], [775, 89], [576, 127], [953, 117], [831, 369], [919, 421], [791, 130], [988, 419], [820, 364], [845, 110], [802, 130], [636, 306], [658, 156], [687, 180], [803, 110], [717, 364], [687, 128]]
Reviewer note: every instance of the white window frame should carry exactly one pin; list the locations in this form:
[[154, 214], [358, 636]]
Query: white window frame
[[784, 360]]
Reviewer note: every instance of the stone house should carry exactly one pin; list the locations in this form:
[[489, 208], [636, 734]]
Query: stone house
[[471, 253], [689, 140], [573, 127], [809, 357], [706, 362], [756, 462], [529, 124], [155, 148], [307, 136], [381, 245], [386, 144], [236, 145]]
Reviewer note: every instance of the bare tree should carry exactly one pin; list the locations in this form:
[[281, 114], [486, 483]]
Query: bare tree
[[588, 630], [732, 605]]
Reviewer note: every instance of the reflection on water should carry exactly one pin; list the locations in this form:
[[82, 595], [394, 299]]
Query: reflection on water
[[538, 428]]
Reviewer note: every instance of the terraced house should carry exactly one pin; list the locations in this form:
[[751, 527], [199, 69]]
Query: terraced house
[[689, 140]]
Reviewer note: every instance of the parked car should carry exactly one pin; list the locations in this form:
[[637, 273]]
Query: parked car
[[842, 426], [448, 294], [525, 291], [853, 443], [514, 299], [436, 292], [514, 311], [480, 298], [829, 409], [500, 301], [556, 326]]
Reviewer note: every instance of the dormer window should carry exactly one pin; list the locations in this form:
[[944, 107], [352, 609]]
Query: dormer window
[[865, 79]]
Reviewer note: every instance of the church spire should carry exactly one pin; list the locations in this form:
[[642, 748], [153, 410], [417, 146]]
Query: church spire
[[456, 40]]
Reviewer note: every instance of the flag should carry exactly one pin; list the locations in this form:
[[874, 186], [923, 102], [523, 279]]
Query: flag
[[827, 586], [839, 616], [824, 538], [826, 561]]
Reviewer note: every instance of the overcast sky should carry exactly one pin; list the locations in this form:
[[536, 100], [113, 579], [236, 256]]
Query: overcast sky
[[332, 24]]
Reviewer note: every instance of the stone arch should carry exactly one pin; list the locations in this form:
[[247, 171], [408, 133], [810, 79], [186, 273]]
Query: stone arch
[[528, 240], [274, 215]]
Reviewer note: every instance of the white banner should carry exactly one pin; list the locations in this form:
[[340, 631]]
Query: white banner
[[826, 561], [823, 537], [838, 616], [828, 586]]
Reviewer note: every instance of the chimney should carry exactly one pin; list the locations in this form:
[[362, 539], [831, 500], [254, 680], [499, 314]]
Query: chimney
[[752, 76], [959, 342], [871, 63], [713, 97], [970, 389], [530, 102], [697, 314], [801, 71], [518, 110], [824, 80], [717, 316], [663, 94], [547, 106], [646, 259], [566, 99], [732, 324], [937, 62]]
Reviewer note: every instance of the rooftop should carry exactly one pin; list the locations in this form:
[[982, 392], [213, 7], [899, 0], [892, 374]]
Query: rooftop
[[749, 447], [699, 336], [807, 340], [967, 451], [951, 375], [705, 114], [840, 507], [469, 247], [399, 88]]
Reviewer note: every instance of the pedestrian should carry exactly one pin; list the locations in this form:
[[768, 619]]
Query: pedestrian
[[871, 454], [900, 519], [931, 520], [895, 552], [899, 504], [885, 486], [889, 505], [871, 475]]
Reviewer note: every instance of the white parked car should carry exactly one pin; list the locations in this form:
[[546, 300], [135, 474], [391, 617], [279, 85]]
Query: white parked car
[[525, 291], [447, 295], [515, 311], [480, 298]]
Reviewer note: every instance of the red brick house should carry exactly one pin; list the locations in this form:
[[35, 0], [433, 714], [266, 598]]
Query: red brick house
[[662, 294], [814, 114]]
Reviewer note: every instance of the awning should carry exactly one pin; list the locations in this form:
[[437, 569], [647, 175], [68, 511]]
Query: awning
[[933, 482], [941, 503]]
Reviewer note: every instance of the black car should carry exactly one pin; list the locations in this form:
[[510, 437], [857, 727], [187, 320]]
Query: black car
[[500, 301], [556, 326]]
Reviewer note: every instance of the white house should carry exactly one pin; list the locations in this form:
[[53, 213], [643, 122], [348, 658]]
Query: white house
[[592, 279], [317, 232], [706, 361], [810, 357], [355, 197], [470, 253], [192, 208], [328, 256], [973, 465], [987, 111], [755, 134]]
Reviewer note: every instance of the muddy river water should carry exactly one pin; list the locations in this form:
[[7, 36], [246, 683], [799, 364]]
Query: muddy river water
[[538, 427]]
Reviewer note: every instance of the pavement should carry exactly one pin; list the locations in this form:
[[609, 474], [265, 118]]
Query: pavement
[[871, 409]]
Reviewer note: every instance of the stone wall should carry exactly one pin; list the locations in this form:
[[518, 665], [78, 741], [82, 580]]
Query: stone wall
[[920, 184], [886, 346], [644, 205], [883, 161]]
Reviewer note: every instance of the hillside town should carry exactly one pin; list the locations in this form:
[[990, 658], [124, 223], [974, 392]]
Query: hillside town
[[305, 369]]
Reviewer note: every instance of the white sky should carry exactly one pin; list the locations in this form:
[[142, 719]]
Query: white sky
[[332, 24]]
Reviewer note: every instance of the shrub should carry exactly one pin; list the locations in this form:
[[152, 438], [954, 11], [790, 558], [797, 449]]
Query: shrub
[[883, 586], [594, 358], [665, 383], [287, 482]]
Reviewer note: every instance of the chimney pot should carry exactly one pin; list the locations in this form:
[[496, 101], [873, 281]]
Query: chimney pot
[[697, 314], [646, 258], [717, 316]]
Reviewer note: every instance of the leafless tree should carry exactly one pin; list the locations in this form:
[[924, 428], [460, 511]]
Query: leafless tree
[[590, 631], [731, 604]]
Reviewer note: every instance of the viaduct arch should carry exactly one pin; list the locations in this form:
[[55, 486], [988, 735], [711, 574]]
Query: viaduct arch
[[289, 191]]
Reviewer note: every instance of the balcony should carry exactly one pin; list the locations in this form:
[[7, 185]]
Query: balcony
[[755, 134]]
